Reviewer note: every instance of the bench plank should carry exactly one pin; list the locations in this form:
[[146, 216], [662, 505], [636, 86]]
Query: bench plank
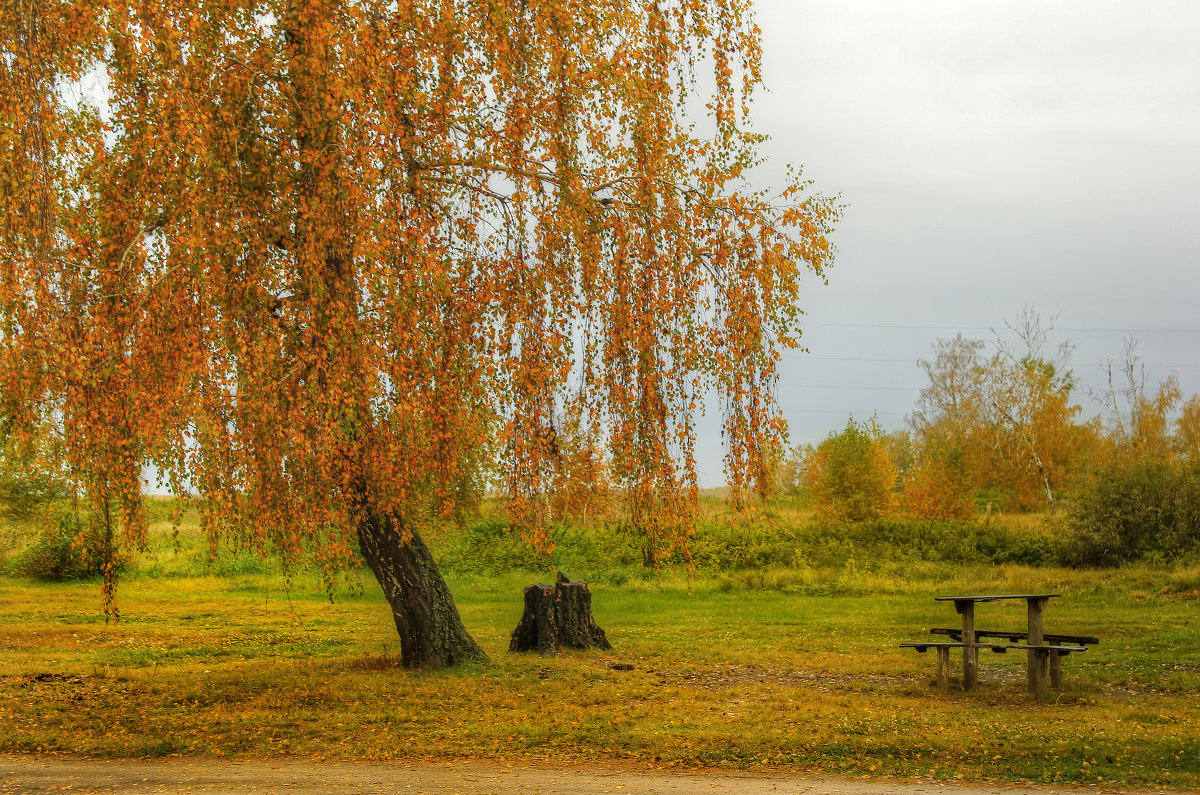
[[995, 597], [1082, 640], [999, 648], [1046, 647]]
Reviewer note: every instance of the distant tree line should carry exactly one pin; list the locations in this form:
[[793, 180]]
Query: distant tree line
[[998, 428]]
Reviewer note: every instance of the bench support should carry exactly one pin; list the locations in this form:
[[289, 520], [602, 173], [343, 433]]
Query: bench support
[[1045, 653], [1052, 640], [943, 657], [943, 669]]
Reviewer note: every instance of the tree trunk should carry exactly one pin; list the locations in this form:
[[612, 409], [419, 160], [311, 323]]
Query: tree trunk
[[431, 632], [1045, 482], [558, 615]]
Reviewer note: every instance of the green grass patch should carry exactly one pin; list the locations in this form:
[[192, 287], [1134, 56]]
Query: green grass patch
[[758, 678], [780, 653]]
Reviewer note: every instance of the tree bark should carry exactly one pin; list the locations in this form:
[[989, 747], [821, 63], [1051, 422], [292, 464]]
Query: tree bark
[[431, 632], [1050, 504], [558, 615]]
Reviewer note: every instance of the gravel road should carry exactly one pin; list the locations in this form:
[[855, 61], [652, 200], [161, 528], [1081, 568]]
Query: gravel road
[[31, 774]]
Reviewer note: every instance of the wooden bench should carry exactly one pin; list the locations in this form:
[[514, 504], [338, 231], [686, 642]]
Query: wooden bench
[[1038, 652], [1050, 652], [1055, 652]]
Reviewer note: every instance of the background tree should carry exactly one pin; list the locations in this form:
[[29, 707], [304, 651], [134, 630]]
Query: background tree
[[1139, 420], [580, 481], [951, 399], [29, 467], [1187, 430], [1137, 507], [312, 258], [940, 485], [901, 451], [1143, 497], [1008, 418], [851, 476], [950, 411], [789, 473], [1031, 419]]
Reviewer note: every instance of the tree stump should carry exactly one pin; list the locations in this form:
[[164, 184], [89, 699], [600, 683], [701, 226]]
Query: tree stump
[[558, 615]]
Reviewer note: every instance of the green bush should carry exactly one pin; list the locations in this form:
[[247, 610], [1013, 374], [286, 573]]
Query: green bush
[[22, 494], [70, 548], [718, 547], [613, 553], [925, 540], [26, 481], [487, 547], [1139, 509], [23, 489]]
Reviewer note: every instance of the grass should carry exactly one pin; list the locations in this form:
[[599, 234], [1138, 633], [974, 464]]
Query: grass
[[774, 667]]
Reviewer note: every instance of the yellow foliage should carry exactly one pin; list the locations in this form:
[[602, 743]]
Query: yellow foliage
[[941, 485], [331, 262], [851, 475]]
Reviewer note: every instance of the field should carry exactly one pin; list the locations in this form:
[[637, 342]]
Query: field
[[770, 656]]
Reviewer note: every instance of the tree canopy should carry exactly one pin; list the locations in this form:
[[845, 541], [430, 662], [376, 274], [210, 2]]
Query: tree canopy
[[322, 261]]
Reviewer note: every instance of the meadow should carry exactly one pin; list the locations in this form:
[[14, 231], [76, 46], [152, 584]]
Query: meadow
[[777, 650]]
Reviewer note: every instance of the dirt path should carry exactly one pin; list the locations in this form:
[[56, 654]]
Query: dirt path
[[25, 774]]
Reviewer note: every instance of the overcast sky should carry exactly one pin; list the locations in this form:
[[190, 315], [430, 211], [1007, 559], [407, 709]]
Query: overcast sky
[[990, 156]]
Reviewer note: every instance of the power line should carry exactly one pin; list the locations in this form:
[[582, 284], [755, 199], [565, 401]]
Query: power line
[[860, 359], [842, 411], [870, 388], [1148, 364], [914, 361], [1079, 329]]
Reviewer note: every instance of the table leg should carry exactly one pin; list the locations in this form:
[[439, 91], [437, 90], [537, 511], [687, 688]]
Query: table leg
[[970, 653], [943, 669], [1055, 671], [1036, 665]]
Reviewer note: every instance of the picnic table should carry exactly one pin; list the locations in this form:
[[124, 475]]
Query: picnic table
[[1044, 650]]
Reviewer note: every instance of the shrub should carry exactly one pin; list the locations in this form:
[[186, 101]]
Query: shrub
[[487, 547], [851, 475], [1139, 508], [69, 548], [23, 487], [719, 547]]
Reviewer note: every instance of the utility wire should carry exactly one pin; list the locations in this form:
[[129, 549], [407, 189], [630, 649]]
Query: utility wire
[[914, 361], [1081, 329], [870, 388], [842, 411]]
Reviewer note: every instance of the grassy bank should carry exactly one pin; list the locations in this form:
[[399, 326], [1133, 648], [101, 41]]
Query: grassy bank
[[769, 663]]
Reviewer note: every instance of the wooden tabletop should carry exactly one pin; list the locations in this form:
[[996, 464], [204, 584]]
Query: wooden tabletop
[[995, 597]]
